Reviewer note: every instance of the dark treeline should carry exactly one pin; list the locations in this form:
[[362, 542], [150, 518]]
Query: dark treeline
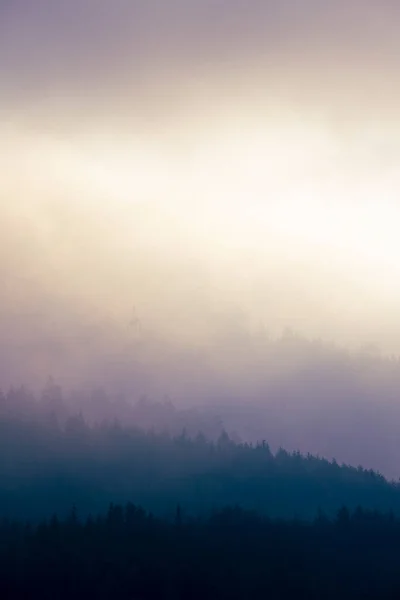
[[231, 554], [48, 463]]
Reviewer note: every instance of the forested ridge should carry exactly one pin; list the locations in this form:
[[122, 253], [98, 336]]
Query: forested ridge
[[50, 460], [135, 501]]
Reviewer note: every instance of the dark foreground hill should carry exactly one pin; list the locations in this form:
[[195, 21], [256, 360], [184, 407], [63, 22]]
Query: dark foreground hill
[[233, 554]]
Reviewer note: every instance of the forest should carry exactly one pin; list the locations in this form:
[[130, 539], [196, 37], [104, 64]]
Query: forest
[[129, 553], [104, 498], [52, 458]]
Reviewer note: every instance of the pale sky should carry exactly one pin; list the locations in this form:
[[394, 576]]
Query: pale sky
[[193, 157]]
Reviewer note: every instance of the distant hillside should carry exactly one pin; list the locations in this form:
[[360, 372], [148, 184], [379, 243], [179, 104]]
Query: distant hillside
[[46, 467]]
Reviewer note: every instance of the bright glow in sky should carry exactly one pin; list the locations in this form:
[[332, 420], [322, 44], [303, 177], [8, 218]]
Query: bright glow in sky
[[197, 158], [291, 184]]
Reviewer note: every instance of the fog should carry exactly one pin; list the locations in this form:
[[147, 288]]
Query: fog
[[120, 246], [180, 183]]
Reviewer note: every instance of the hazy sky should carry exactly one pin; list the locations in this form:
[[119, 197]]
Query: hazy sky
[[197, 162]]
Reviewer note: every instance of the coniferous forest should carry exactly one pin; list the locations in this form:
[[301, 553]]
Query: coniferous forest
[[113, 509], [52, 458], [236, 554]]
